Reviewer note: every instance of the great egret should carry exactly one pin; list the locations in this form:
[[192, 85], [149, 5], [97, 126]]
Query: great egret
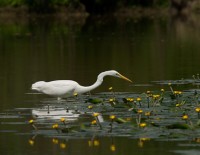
[[67, 88]]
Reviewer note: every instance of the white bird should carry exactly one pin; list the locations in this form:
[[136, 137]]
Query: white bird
[[67, 88]]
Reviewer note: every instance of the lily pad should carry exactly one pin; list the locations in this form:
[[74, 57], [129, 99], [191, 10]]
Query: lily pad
[[94, 100], [179, 126], [120, 120]]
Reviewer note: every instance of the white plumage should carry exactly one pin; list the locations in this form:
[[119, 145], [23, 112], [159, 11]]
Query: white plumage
[[67, 88]]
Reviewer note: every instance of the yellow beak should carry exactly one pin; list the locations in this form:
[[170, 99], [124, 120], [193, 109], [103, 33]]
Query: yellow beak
[[125, 78]]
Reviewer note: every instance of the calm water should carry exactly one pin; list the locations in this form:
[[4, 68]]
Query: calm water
[[144, 50]]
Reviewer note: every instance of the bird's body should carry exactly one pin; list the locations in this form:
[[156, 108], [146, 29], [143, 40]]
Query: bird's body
[[67, 88]]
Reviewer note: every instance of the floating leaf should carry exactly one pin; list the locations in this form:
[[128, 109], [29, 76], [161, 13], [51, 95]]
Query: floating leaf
[[120, 120], [94, 100], [179, 126]]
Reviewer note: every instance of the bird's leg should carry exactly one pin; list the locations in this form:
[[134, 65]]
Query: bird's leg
[[67, 109], [59, 99], [48, 109]]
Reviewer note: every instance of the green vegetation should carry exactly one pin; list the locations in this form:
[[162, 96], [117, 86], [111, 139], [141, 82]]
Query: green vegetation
[[92, 6], [98, 6], [40, 6], [39, 3], [12, 2], [87, 2]]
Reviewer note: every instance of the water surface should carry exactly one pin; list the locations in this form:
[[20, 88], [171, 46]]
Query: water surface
[[144, 50]]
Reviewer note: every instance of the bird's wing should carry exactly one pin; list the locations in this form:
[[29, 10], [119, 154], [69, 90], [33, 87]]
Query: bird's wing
[[62, 87], [62, 83]]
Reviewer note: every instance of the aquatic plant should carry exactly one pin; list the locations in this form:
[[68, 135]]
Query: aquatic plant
[[152, 114], [32, 122]]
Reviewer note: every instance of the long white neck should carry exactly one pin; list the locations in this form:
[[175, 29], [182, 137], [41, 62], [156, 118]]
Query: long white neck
[[84, 89]]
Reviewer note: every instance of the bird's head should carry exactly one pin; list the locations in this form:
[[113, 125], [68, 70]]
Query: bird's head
[[38, 86], [117, 74]]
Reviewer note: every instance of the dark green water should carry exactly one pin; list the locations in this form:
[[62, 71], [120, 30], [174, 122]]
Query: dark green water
[[144, 50]]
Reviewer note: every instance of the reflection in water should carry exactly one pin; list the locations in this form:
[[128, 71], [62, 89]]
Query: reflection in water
[[141, 141], [115, 145], [54, 113]]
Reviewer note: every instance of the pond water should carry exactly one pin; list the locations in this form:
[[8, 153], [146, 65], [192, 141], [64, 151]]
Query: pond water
[[145, 50]]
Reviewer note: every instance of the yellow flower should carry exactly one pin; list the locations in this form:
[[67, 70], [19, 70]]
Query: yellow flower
[[110, 88], [177, 92], [197, 109], [31, 121], [162, 90], [130, 99], [150, 95], [96, 143], [90, 107], [140, 111], [148, 92], [112, 117], [112, 148], [156, 96], [94, 122], [75, 94], [62, 119], [138, 99], [31, 142], [55, 140], [95, 114], [63, 145], [185, 117], [147, 113], [55, 126], [178, 105], [111, 100], [169, 84], [142, 125], [145, 139]]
